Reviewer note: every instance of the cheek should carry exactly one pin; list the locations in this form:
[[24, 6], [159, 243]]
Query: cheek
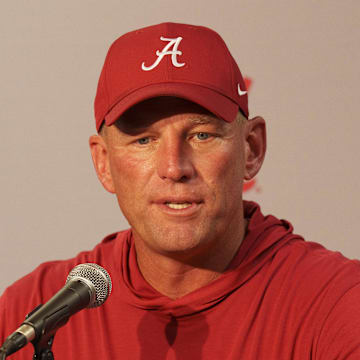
[[223, 174], [223, 167], [129, 175]]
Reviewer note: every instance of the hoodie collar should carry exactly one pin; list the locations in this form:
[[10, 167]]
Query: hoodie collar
[[265, 235]]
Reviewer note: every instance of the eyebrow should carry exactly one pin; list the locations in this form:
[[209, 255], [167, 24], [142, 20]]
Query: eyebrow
[[202, 119]]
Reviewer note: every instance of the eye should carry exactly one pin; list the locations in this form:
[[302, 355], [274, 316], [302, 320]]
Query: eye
[[143, 141], [202, 136]]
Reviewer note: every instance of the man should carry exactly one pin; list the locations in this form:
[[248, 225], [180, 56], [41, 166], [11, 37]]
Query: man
[[201, 274]]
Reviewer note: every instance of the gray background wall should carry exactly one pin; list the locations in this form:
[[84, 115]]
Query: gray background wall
[[302, 56]]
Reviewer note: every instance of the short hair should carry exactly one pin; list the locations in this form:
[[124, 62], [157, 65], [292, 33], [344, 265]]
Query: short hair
[[102, 130], [240, 117]]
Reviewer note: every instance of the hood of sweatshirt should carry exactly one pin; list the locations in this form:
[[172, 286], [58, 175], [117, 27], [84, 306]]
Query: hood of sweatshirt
[[265, 235]]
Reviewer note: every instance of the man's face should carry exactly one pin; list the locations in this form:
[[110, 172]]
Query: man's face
[[177, 172]]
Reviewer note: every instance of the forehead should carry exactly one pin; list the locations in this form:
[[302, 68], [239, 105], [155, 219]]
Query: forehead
[[148, 112]]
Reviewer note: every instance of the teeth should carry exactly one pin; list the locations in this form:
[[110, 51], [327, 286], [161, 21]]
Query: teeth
[[178, 206]]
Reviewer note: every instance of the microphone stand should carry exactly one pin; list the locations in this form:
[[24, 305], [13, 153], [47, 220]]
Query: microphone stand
[[42, 348], [42, 345]]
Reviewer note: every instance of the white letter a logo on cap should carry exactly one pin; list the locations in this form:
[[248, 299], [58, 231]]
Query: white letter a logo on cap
[[174, 43]]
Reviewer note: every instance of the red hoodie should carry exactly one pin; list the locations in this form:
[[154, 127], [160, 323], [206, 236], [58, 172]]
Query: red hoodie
[[280, 298]]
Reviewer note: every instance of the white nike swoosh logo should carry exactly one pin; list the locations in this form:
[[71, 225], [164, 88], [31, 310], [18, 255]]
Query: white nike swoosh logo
[[240, 92]]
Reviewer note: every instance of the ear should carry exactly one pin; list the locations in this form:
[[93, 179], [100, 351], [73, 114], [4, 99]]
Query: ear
[[100, 157], [255, 146]]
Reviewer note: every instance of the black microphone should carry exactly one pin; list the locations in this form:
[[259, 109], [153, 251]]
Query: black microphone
[[87, 286]]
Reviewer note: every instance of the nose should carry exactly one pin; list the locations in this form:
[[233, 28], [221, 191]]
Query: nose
[[174, 161]]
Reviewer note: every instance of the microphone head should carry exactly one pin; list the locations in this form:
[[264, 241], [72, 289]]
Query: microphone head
[[96, 277]]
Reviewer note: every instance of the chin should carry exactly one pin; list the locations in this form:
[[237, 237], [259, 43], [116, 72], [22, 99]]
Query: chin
[[180, 242]]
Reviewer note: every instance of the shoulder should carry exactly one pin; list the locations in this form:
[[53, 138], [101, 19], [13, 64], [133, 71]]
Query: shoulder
[[317, 291], [313, 269], [318, 281], [312, 260], [329, 289]]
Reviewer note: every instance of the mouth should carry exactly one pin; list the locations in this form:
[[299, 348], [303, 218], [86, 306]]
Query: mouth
[[178, 206], [183, 206]]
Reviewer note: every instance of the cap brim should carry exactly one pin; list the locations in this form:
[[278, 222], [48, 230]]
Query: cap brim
[[220, 105]]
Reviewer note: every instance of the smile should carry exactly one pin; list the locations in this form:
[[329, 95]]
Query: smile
[[178, 206]]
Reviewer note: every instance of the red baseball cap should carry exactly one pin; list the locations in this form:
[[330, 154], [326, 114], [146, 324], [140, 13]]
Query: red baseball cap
[[170, 59]]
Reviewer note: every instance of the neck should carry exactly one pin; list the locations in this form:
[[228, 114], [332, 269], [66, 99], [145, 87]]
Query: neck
[[176, 275]]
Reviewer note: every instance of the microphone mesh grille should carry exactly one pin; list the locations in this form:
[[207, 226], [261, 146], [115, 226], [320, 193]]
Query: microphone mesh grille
[[98, 277]]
